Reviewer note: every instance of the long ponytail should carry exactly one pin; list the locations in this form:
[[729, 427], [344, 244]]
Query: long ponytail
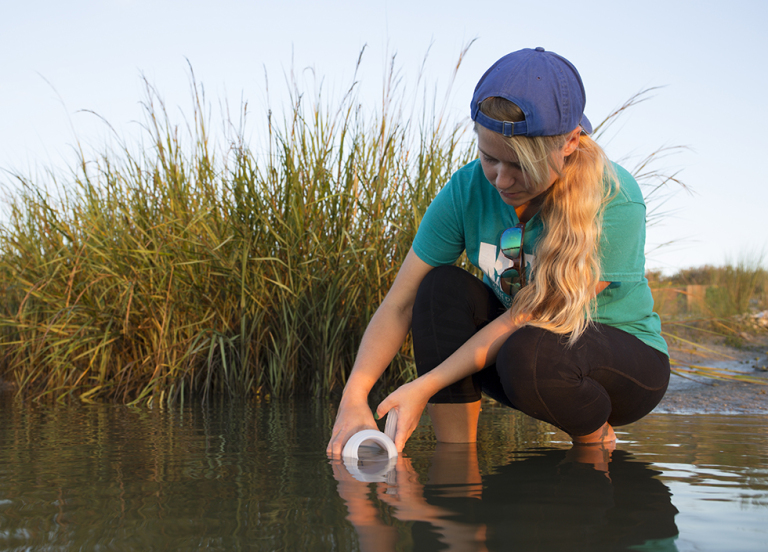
[[560, 296]]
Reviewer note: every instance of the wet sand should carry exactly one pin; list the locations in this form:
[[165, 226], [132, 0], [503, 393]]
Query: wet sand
[[707, 396], [698, 395]]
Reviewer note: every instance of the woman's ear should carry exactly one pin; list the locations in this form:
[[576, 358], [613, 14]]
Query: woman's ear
[[572, 142]]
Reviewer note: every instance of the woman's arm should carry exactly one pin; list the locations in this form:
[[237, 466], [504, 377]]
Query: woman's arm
[[475, 354], [382, 340]]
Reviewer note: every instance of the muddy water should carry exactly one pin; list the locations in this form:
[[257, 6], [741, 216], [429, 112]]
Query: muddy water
[[254, 476]]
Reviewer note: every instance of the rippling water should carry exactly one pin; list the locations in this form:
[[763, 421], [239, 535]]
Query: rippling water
[[254, 476]]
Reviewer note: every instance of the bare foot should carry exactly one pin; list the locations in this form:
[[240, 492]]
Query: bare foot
[[603, 435]]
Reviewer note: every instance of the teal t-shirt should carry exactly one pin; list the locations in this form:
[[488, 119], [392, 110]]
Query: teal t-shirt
[[469, 215]]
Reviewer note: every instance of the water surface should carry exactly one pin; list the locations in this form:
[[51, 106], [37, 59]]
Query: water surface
[[254, 476]]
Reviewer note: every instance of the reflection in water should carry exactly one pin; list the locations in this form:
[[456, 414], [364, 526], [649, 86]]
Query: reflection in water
[[255, 476], [231, 476], [404, 493], [575, 504], [585, 498]]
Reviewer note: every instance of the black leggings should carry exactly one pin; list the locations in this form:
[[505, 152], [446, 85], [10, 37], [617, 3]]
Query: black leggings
[[608, 375]]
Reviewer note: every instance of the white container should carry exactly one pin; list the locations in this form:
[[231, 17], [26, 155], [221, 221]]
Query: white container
[[368, 437], [373, 437]]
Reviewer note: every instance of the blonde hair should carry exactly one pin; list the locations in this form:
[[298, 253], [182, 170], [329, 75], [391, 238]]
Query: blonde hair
[[560, 295]]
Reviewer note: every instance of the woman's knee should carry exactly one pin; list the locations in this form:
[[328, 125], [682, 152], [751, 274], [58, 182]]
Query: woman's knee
[[451, 306], [453, 302], [442, 282]]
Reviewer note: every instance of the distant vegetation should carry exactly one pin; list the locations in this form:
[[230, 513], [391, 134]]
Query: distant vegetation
[[722, 291], [189, 269], [713, 302]]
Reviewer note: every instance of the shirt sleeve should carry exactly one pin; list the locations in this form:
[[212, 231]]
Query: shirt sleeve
[[440, 237], [622, 243]]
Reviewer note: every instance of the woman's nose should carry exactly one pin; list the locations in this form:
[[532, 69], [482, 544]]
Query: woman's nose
[[504, 177]]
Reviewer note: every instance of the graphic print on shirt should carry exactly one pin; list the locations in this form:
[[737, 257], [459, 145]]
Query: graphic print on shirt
[[493, 263]]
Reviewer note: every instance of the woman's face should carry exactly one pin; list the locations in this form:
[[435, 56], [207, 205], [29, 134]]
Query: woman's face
[[503, 171]]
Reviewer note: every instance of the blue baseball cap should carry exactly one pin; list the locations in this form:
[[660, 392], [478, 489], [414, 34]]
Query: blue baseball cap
[[545, 86]]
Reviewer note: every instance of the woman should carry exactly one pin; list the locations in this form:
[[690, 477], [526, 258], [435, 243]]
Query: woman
[[561, 327]]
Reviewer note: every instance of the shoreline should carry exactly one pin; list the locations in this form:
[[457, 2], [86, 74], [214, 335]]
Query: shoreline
[[697, 394]]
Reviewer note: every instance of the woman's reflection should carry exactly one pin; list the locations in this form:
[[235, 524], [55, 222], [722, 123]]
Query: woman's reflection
[[586, 498], [454, 469]]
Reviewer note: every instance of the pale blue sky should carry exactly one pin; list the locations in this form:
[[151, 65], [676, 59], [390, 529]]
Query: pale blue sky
[[709, 56]]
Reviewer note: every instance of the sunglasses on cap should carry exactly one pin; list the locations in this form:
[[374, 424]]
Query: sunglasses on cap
[[511, 242]]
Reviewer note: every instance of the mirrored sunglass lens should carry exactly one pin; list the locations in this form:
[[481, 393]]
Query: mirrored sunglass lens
[[510, 289], [510, 241], [511, 275], [511, 281], [511, 252]]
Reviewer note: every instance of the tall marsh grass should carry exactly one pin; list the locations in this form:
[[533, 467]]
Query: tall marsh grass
[[188, 269], [184, 271]]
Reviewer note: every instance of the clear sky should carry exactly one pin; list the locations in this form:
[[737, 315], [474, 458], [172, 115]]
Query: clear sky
[[60, 58]]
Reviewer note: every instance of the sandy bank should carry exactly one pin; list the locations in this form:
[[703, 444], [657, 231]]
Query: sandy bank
[[694, 395]]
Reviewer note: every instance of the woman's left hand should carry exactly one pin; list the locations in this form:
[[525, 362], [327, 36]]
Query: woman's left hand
[[408, 401]]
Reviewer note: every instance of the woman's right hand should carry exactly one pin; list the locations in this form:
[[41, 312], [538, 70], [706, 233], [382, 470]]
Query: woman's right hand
[[381, 342], [353, 416]]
